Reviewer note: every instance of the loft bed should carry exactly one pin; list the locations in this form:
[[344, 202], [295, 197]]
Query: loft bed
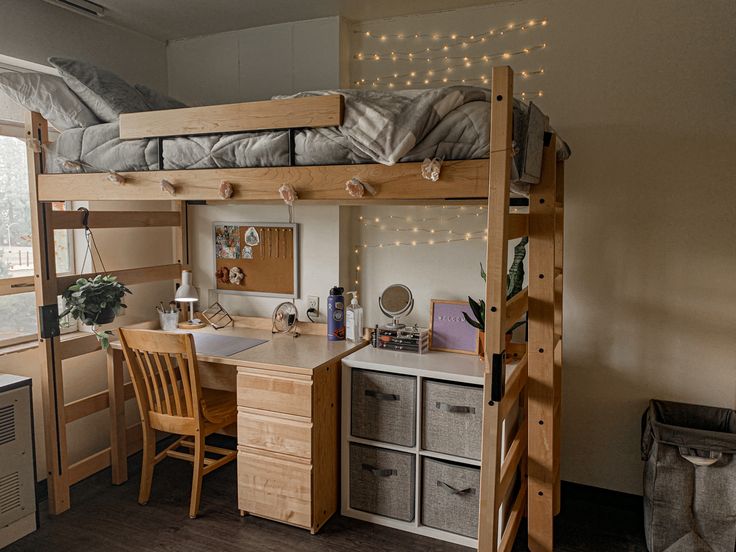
[[520, 455]]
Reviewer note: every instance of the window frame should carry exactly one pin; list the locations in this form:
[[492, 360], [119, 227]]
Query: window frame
[[13, 129]]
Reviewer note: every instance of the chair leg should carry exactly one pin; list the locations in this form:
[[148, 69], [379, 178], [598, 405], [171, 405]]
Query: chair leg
[[148, 463], [197, 474]]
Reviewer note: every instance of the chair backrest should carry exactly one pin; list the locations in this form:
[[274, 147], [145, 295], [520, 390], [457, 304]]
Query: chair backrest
[[165, 374]]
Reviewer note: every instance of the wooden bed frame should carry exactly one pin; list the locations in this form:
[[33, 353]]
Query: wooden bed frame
[[523, 478]]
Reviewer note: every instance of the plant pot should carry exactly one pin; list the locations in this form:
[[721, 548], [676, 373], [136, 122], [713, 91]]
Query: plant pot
[[482, 345], [105, 316]]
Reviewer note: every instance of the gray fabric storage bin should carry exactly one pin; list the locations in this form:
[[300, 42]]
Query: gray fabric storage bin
[[450, 497], [689, 477], [452, 419], [382, 481], [383, 407]]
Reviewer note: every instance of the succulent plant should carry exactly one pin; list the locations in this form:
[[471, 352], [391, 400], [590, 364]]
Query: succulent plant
[[95, 301]]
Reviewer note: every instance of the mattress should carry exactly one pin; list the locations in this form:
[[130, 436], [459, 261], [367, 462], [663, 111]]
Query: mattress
[[378, 127]]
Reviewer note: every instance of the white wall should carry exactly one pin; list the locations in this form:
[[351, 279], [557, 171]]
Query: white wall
[[257, 63], [32, 30], [643, 92], [319, 253]]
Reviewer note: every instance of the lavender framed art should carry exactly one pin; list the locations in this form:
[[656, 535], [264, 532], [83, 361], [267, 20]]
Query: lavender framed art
[[448, 329]]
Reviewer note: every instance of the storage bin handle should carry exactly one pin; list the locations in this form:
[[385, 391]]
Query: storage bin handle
[[455, 409], [469, 491], [381, 396], [378, 472], [694, 459]]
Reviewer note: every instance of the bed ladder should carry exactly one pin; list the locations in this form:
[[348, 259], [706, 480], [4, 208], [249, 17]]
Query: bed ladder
[[53, 348], [520, 454]]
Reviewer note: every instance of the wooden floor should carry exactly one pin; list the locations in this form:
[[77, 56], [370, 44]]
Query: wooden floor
[[105, 518]]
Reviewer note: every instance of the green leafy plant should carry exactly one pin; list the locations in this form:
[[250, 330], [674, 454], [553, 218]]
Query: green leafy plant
[[95, 301], [514, 284]]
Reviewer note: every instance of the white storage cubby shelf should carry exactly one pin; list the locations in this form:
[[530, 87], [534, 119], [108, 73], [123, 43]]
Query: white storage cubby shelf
[[434, 366]]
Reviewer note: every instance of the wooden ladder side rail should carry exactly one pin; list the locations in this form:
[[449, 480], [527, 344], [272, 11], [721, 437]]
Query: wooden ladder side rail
[[304, 112], [45, 284], [558, 285], [544, 381], [496, 263]]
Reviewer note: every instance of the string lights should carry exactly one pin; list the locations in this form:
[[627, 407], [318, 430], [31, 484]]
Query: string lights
[[455, 39], [420, 230], [436, 59]]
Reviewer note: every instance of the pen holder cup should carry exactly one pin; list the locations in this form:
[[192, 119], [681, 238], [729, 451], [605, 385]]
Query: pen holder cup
[[169, 321]]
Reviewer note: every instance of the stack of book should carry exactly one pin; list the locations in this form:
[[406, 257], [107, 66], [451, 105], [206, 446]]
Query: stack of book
[[411, 339]]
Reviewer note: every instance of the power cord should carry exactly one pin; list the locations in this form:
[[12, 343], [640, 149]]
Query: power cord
[[309, 314]]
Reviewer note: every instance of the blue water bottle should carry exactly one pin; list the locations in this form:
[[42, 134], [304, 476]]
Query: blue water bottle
[[336, 315]]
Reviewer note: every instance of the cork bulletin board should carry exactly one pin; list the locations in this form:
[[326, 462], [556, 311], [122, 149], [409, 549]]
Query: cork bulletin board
[[256, 258]]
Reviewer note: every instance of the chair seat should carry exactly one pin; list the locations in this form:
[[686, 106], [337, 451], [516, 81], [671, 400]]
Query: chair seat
[[219, 407]]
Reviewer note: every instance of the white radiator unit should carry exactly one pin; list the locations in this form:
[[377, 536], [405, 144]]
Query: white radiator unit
[[18, 510]]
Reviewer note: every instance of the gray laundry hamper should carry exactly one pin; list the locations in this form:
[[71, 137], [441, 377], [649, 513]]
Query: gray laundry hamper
[[689, 477]]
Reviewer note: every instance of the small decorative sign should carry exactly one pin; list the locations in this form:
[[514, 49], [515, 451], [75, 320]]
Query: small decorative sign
[[449, 331]]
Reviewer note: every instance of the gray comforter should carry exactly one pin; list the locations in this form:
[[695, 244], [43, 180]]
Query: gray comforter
[[381, 127]]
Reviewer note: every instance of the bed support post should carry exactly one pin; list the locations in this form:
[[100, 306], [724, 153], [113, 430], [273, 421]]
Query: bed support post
[[544, 357], [496, 261], [44, 268]]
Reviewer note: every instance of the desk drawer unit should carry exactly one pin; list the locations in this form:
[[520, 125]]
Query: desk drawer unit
[[384, 407], [452, 418], [288, 462], [382, 481]]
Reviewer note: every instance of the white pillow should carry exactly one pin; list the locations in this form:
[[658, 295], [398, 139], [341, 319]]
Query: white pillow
[[50, 96], [104, 92]]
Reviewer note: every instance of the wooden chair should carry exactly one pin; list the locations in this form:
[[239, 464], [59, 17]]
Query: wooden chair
[[165, 374]]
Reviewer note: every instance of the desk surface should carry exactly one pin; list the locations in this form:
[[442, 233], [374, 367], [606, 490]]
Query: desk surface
[[290, 354]]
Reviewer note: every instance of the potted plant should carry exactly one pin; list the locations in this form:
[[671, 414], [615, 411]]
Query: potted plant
[[514, 284], [95, 302]]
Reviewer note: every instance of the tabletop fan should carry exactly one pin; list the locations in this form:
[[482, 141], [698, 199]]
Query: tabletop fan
[[285, 319]]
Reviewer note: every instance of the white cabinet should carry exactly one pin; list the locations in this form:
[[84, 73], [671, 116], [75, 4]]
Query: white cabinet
[[440, 393]]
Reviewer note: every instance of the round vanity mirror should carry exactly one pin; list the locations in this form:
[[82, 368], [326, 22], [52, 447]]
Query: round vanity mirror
[[395, 301]]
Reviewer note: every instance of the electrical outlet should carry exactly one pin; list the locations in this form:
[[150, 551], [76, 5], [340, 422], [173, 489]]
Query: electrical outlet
[[313, 303]]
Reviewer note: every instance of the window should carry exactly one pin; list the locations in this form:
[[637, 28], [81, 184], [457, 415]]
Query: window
[[18, 319]]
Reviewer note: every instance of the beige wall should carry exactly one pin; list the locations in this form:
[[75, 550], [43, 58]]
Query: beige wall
[[32, 30], [644, 93]]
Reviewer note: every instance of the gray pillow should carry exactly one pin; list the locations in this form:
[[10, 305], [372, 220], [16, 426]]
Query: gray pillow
[[156, 100], [50, 96], [105, 93]]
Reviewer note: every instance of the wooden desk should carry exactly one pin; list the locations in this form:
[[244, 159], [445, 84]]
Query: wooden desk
[[288, 421]]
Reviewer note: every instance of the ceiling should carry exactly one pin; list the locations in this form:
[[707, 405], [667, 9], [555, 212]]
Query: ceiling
[[172, 19]]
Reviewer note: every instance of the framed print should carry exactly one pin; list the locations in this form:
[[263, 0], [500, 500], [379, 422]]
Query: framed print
[[448, 329]]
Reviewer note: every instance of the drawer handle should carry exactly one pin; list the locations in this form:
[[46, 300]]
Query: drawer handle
[[381, 396], [470, 491], [378, 472], [455, 409]]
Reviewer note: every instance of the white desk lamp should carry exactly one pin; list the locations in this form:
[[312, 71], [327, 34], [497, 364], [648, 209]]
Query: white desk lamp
[[187, 293]]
